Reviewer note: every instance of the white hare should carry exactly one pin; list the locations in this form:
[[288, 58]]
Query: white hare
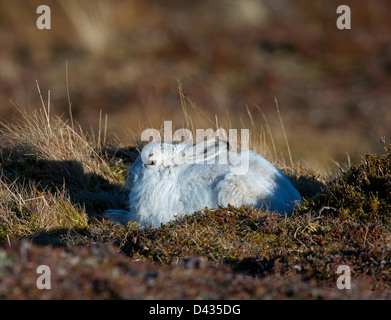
[[168, 180]]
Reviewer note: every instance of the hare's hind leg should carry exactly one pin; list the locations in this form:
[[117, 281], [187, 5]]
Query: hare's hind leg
[[236, 190], [118, 216]]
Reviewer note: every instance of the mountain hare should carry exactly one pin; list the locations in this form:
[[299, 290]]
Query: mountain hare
[[174, 179]]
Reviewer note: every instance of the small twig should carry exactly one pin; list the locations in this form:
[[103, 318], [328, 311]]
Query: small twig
[[44, 106], [40, 196], [69, 97], [327, 208]]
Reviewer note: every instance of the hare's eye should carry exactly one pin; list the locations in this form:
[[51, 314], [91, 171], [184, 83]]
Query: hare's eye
[[151, 162]]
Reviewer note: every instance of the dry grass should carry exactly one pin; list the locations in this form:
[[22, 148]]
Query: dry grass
[[26, 211], [52, 175], [45, 138]]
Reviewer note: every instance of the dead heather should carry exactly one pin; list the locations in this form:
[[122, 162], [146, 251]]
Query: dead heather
[[56, 182]]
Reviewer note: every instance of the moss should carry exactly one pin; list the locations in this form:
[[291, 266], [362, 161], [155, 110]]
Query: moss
[[216, 234], [72, 215], [4, 232], [362, 192]]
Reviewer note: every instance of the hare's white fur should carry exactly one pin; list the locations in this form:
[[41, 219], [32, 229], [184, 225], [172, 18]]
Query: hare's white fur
[[168, 180]]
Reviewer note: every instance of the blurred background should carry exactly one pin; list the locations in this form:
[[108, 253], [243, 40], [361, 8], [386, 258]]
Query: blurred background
[[232, 58]]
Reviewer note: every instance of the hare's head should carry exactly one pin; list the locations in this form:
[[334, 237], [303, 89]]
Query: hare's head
[[153, 158], [160, 156]]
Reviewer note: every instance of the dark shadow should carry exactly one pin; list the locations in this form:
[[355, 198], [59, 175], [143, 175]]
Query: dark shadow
[[60, 237], [252, 266], [90, 191], [308, 186], [126, 155]]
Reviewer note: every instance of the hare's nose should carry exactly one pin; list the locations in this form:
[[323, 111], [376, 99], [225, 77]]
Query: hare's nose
[[149, 163]]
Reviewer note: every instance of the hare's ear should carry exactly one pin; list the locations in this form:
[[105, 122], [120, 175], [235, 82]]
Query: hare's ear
[[206, 150]]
